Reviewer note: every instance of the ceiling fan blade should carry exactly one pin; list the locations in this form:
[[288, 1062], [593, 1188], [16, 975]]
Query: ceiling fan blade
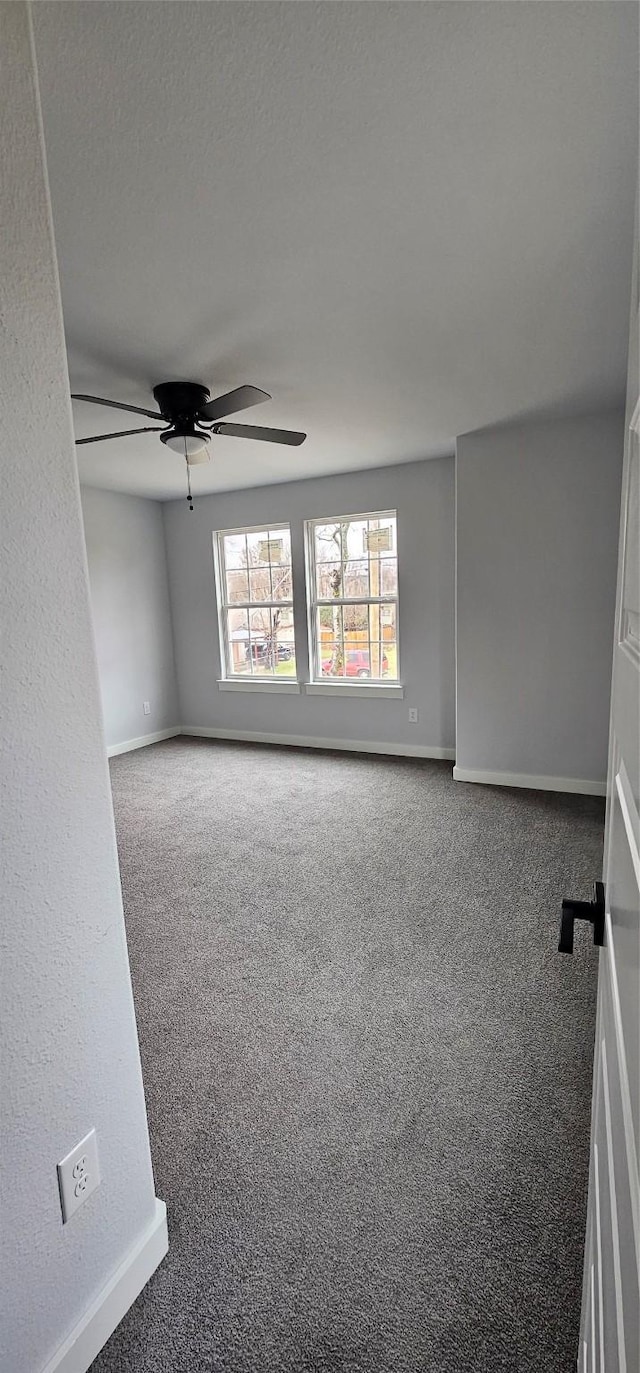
[[240, 399], [255, 431], [122, 434], [119, 405]]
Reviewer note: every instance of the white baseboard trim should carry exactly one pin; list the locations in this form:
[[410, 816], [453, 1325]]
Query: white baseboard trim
[[112, 1303], [524, 779], [304, 741], [129, 744]]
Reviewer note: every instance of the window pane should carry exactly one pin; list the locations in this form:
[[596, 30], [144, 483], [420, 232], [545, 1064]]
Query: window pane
[[330, 641], [382, 629], [282, 589], [239, 658], [332, 661], [328, 543], [381, 536], [390, 652], [280, 540], [268, 547], [356, 579], [358, 662], [260, 584], [258, 548], [329, 580], [388, 618], [388, 577], [259, 622], [285, 660], [274, 660], [271, 660], [354, 540], [235, 550], [237, 587], [356, 621], [358, 641], [272, 642], [379, 660]]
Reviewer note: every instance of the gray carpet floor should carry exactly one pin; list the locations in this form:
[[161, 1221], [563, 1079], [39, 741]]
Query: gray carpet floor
[[367, 1068]]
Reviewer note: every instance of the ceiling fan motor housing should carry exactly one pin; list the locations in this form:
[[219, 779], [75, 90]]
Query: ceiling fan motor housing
[[180, 401]]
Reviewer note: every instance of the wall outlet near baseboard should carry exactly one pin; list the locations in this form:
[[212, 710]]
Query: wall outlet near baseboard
[[146, 706], [413, 715], [78, 1175]]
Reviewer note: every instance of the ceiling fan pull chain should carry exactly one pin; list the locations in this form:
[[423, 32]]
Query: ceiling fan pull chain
[[186, 459]]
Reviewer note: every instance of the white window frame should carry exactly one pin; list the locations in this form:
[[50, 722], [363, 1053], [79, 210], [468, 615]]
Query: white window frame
[[230, 681], [319, 685]]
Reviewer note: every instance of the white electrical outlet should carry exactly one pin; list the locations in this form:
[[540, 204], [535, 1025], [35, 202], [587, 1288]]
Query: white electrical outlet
[[146, 706], [78, 1175], [413, 715]]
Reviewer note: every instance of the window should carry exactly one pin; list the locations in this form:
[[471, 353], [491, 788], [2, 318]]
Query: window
[[353, 597], [255, 602]]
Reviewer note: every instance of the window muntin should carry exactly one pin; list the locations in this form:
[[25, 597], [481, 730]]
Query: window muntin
[[255, 601], [353, 597]]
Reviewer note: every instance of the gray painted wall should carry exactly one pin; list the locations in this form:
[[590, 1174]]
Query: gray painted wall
[[131, 613], [423, 494], [537, 534], [70, 1049]]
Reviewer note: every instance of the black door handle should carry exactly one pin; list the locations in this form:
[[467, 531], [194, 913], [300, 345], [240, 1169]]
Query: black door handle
[[583, 910]]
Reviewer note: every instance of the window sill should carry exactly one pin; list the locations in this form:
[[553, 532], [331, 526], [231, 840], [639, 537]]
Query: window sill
[[361, 688], [288, 686]]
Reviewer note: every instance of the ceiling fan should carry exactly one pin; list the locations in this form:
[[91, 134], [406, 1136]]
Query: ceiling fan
[[189, 417]]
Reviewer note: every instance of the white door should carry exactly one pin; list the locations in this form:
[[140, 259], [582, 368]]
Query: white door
[[610, 1327]]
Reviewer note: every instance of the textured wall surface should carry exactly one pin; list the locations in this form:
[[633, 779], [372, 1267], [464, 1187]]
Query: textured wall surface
[[537, 541], [423, 494], [131, 616], [71, 1052]]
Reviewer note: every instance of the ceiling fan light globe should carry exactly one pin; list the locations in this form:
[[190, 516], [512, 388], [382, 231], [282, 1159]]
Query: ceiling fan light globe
[[194, 443]]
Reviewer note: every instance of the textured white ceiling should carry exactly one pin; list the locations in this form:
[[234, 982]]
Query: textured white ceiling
[[404, 220]]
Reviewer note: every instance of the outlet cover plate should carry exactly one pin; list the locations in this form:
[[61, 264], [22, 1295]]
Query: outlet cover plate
[[78, 1175]]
